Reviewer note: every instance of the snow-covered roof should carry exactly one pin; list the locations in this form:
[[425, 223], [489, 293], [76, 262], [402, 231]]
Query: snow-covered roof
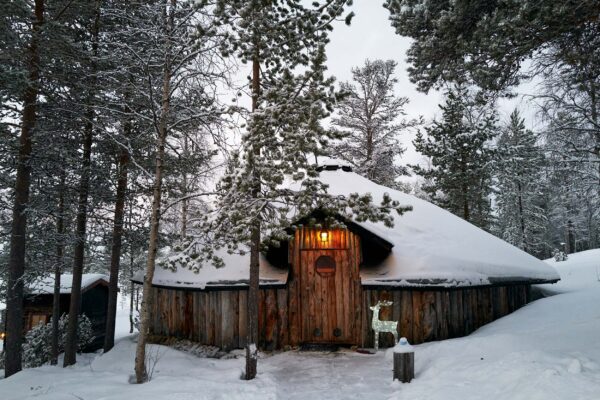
[[431, 247], [234, 273], [46, 285]]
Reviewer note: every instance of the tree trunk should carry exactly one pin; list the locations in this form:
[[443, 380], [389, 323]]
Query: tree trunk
[[184, 192], [253, 284], [79, 251], [131, 294], [466, 211], [82, 205], [18, 236], [521, 217], [141, 374], [60, 251], [569, 238], [115, 258]]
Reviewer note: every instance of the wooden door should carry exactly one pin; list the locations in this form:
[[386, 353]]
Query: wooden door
[[328, 289]]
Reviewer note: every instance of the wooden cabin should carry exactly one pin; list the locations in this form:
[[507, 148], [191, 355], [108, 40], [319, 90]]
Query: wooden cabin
[[445, 277], [94, 302]]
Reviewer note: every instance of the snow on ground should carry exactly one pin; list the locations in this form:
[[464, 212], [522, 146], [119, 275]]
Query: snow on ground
[[549, 349], [580, 271]]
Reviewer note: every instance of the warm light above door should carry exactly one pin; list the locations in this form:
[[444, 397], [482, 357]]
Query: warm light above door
[[324, 236]]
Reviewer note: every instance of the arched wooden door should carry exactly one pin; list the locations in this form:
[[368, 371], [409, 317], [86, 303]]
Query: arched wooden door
[[329, 294]]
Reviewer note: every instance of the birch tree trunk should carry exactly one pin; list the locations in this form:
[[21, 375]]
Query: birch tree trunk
[[141, 374], [18, 236]]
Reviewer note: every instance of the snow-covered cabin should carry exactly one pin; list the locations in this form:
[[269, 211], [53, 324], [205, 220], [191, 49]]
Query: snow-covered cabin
[[94, 302], [445, 277]]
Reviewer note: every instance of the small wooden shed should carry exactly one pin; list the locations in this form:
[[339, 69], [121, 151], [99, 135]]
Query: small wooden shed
[[94, 302], [445, 277]]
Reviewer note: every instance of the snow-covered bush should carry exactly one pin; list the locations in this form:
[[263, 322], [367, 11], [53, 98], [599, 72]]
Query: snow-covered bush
[[37, 348], [560, 255]]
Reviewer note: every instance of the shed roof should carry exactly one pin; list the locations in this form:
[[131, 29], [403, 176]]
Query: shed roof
[[46, 285], [431, 248]]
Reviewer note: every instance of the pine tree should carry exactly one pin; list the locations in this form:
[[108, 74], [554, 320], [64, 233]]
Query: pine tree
[[369, 118], [273, 177], [177, 99], [16, 266], [486, 42], [519, 173], [459, 178], [84, 190], [572, 176]]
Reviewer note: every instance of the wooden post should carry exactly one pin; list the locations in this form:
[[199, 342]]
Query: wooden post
[[404, 361]]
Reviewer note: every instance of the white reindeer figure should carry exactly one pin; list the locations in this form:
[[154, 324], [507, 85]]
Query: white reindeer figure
[[383, 326]]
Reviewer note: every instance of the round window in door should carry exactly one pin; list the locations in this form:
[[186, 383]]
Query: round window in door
[[325, 265]]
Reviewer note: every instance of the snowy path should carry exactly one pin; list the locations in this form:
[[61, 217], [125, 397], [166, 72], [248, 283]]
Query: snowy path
[[548, 350]]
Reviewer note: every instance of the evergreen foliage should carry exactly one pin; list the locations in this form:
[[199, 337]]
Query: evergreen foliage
[[369, 119], [486, 42], [458, 145], [274, 179], [36, 349], [522, 220]]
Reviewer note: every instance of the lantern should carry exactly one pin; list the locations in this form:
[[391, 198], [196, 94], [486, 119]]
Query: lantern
[[324, 235]]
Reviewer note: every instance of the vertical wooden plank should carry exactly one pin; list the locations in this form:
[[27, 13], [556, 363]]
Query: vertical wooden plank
[[510, 294], [367, 316], [442, 303], [483, 300], [467, 311], [496, 303], [243, 307], [417, 306], [355, 311], [406, 315], [309, 287], [217, 317], [429, 317], [343, 295], [294, 291], [210, 322], [282, 318], [452, 313], [235, 319], [397, 309], [475, 306], [227, 314], [206, 310], [156, 310], [196, 312], [270, 319], [503, 301]]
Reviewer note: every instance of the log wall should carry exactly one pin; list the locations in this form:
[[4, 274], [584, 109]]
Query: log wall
[[428, 315], [219, 317]]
